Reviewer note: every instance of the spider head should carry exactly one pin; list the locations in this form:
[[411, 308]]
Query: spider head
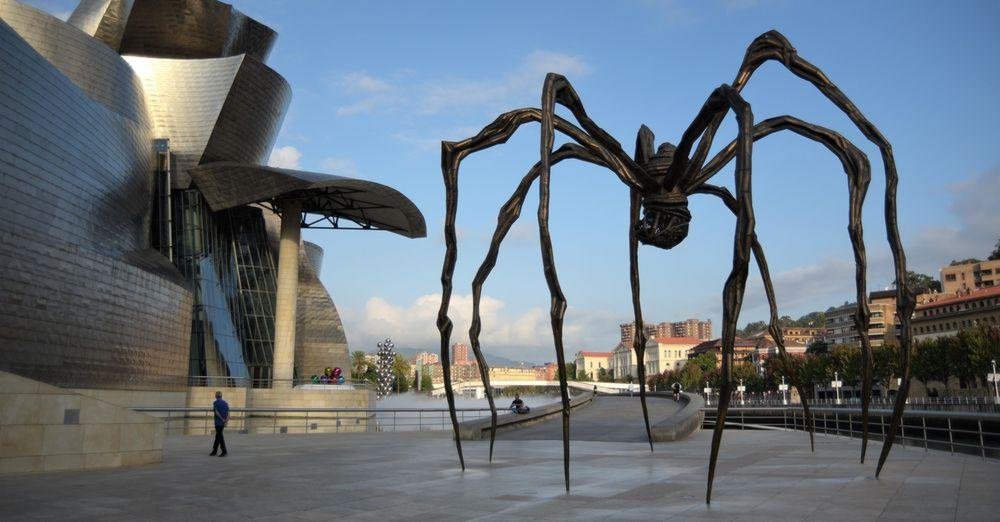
[[665, 215], [665, 219]]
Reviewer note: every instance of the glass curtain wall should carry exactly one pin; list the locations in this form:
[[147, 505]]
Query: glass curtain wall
[[226, 257]]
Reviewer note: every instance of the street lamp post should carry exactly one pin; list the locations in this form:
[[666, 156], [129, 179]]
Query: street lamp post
[[784, 391], [742, 389], [836, 385], [996, 382]]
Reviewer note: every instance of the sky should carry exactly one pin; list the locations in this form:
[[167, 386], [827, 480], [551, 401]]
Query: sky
[[377, 85]]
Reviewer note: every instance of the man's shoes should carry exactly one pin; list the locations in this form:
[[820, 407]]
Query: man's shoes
[[223, 454], [212, 454]]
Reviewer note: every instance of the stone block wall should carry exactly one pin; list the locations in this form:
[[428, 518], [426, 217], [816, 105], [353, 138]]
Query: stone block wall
[[45, 428]]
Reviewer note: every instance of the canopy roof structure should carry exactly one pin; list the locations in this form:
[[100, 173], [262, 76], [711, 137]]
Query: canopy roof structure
[[369, 205]]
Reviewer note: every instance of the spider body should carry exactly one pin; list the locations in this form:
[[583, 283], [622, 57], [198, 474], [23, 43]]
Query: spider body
[[660, 183]]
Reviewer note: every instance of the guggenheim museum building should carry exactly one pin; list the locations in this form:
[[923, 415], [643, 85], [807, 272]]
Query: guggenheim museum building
[[144, 244]]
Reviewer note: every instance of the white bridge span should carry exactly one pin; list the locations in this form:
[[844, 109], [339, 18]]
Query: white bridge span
[[477, 389]]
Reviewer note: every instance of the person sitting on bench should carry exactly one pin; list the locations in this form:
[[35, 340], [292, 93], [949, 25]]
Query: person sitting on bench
[[517, 405]]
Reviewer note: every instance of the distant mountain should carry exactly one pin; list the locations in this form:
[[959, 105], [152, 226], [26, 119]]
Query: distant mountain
[[492, 360]]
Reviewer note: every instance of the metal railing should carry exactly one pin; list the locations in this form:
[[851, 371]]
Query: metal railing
[[200, 421], [955, 432], [958, 404], [246, 382]]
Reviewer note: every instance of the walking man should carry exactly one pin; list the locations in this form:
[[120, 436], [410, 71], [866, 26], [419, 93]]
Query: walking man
[[220, 409]]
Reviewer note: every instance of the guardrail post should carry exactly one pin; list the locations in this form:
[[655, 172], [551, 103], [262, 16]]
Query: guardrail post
[[951, 441], [982, 447], [924, 422]]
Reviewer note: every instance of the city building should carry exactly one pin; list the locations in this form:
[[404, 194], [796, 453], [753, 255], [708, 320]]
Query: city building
[[767, 351], [687, 328], [792, 335], [743, 349], [591, 363], [512, 373], [668, 353], [143, 244], [970, 276], [425, 358], [546, 372], [949, 314], [460, 354], [882, 322]]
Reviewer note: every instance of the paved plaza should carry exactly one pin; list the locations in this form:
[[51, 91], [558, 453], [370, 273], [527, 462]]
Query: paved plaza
[[763, 475]]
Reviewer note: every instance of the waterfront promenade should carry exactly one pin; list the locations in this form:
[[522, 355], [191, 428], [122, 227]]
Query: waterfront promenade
[[763, 475]]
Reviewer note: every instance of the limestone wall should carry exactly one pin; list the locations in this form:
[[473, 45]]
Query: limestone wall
[[282, 422], [45, 428]]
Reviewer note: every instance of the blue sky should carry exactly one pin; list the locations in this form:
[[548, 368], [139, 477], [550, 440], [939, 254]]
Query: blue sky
[[377, 86]]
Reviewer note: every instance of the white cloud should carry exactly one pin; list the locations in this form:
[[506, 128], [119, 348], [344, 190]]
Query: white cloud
[[524, 336], [525, 80], [340, 167], [974, 205], [362, 82], [366, 93], [285, 157]]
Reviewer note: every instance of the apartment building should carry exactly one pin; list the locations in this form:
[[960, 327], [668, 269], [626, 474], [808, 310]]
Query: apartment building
[[970, 276], [687, 328], [882, 321], [947, 315], [742, 349], [668, 353], [592, 363]]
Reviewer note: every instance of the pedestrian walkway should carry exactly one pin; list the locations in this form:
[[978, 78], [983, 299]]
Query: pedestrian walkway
[[606, 418], [763, 475]]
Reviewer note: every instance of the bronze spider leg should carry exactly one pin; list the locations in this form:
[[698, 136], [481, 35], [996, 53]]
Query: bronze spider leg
[[772, 45], [506, 218], [643, 151], [452, 154], [558, 88], [775, 329], [720, 101], [858, 171]]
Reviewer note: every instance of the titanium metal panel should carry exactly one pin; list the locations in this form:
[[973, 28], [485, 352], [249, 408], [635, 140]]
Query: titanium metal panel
[[223, 109], [75, 175], [194, 29], [227, 185], [103, 19], [96, 69]]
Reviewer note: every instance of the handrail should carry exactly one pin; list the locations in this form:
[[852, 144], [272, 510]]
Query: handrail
[[956, 432]]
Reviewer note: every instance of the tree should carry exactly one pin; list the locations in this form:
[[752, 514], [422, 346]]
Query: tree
[[965, 261], [996, 252], [603, 375], [886, 364], [930, 361], [705, 361], [818, 347], [426, 384], [358, 364], [583, 376], [752, 328], [922, 283], [401, 370], [570, 370]]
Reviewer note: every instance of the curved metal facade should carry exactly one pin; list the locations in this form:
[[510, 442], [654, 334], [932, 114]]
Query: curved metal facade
[[115, 271], [213, 109], [194, 29], [79, 307]]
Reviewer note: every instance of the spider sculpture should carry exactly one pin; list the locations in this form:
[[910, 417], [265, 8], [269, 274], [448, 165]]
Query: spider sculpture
[[660, 184]]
